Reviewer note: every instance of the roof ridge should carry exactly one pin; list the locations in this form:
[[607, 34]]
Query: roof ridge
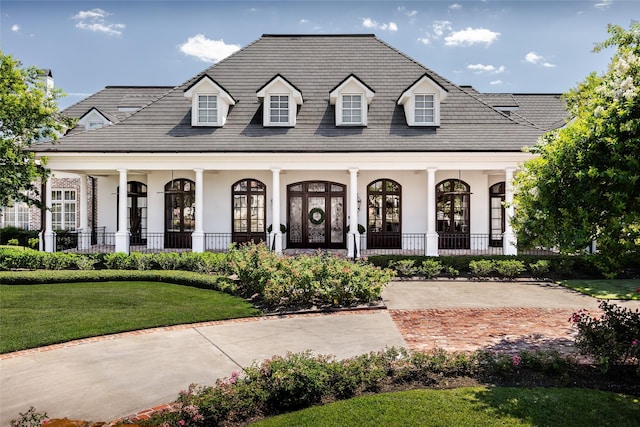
[[321, 35]]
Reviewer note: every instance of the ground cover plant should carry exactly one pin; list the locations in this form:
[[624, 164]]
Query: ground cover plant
[[472, 407], [68, 311], [619, 289]]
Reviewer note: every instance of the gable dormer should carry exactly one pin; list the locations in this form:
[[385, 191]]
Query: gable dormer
[[94, 119], [280, 101], [351, 98], [210, 103], [421, 102]]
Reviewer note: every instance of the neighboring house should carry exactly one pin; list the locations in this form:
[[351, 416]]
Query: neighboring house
[[319, 133]]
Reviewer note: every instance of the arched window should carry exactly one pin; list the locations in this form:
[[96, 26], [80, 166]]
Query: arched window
[[249, 211], [453, 214], [384, 214], [136, 211], [180, 219], [496, 213]]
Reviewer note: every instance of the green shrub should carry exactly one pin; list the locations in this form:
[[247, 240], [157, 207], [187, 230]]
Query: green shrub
[[481, 268], [117, 261], [430, 268], [33, 243], [508, 268], [613, 338], [540, 267], [13, 242], [405, 267], [141, 261], [31, 418], [167, 260]]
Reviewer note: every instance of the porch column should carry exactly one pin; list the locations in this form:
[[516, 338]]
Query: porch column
[[431, 246], [122, 235], [84, 233], [197, 237], [49, 234], [276, 235], [353, 237], [509, 240]]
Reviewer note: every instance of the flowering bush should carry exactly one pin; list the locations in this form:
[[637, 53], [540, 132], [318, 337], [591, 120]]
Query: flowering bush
[[298, 380], [31, 418], [305, 281], [612, 339]]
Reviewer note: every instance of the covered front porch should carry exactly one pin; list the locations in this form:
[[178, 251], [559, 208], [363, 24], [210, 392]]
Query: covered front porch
[[395, 206]]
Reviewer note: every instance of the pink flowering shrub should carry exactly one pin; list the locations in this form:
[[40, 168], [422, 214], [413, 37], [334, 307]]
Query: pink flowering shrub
[[610, 339]]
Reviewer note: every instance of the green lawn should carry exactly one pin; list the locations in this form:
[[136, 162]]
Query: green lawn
[[606, 289], [37, 315], [473, 407]]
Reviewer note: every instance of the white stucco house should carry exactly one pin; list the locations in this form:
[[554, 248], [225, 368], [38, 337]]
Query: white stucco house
[[342, 139]]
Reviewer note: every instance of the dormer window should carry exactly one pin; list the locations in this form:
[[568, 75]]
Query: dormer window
[[421, 102], [280, 102], [424, 108], [351, 98], [210, 103], [94, 119], [208, 109]]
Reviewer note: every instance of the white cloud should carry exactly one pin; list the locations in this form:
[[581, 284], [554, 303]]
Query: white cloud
[[455, 6], [304, 21], [534, 58], [496, 82], [424, 40], [480, 68], [15, 28], [370, 23], [471, 36], [94, 20], [603, 4], [207, 50], [439, 27]]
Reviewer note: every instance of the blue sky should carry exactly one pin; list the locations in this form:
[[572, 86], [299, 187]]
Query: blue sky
[[496, 46]]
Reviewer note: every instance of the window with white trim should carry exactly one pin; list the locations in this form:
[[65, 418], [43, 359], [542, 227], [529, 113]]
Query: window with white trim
[[351, 98], [207, 109], [16, 215], [279, 108], [63, 210], [424, 109], [352, 109], [422, 101]]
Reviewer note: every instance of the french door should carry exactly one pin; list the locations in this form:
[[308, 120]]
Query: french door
[[180, 211], [316, 215]]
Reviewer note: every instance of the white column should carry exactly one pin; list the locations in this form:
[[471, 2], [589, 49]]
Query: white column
[[197, 237], [276, 235], [84, 238], [353, 237], [431, 246], [49, 235], [122, 235], [509, 239]]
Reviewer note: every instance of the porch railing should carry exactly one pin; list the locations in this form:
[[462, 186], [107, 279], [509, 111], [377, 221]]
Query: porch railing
[[101, 241]]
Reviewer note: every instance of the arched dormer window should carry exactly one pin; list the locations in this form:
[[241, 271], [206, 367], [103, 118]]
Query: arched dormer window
[[421, 102], [351, 98], [210, 103], [280, 102]]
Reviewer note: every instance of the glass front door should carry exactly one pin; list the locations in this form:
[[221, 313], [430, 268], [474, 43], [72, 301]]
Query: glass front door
[[316, 215]]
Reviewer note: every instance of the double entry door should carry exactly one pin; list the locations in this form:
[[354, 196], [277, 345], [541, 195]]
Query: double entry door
[[316, 215]]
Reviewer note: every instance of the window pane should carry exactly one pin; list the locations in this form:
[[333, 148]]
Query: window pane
[[352, 109], [207, 108], [424, 109], [279, 109]]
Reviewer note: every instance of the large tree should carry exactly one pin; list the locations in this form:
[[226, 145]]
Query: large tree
[[28, 114], [584, 183]]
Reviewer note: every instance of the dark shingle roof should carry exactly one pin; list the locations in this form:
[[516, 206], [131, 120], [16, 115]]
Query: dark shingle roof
[[315, 65]]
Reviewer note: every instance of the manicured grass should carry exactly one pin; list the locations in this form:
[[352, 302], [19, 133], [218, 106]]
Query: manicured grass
[[476, 406], [606, 289], [37, 315]]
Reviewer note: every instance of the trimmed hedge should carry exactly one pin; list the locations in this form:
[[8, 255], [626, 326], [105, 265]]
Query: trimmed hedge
[[554, 266], [187, 278]]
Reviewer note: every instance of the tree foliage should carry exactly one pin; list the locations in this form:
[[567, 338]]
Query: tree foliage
[[28, 114], [584, 183]]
